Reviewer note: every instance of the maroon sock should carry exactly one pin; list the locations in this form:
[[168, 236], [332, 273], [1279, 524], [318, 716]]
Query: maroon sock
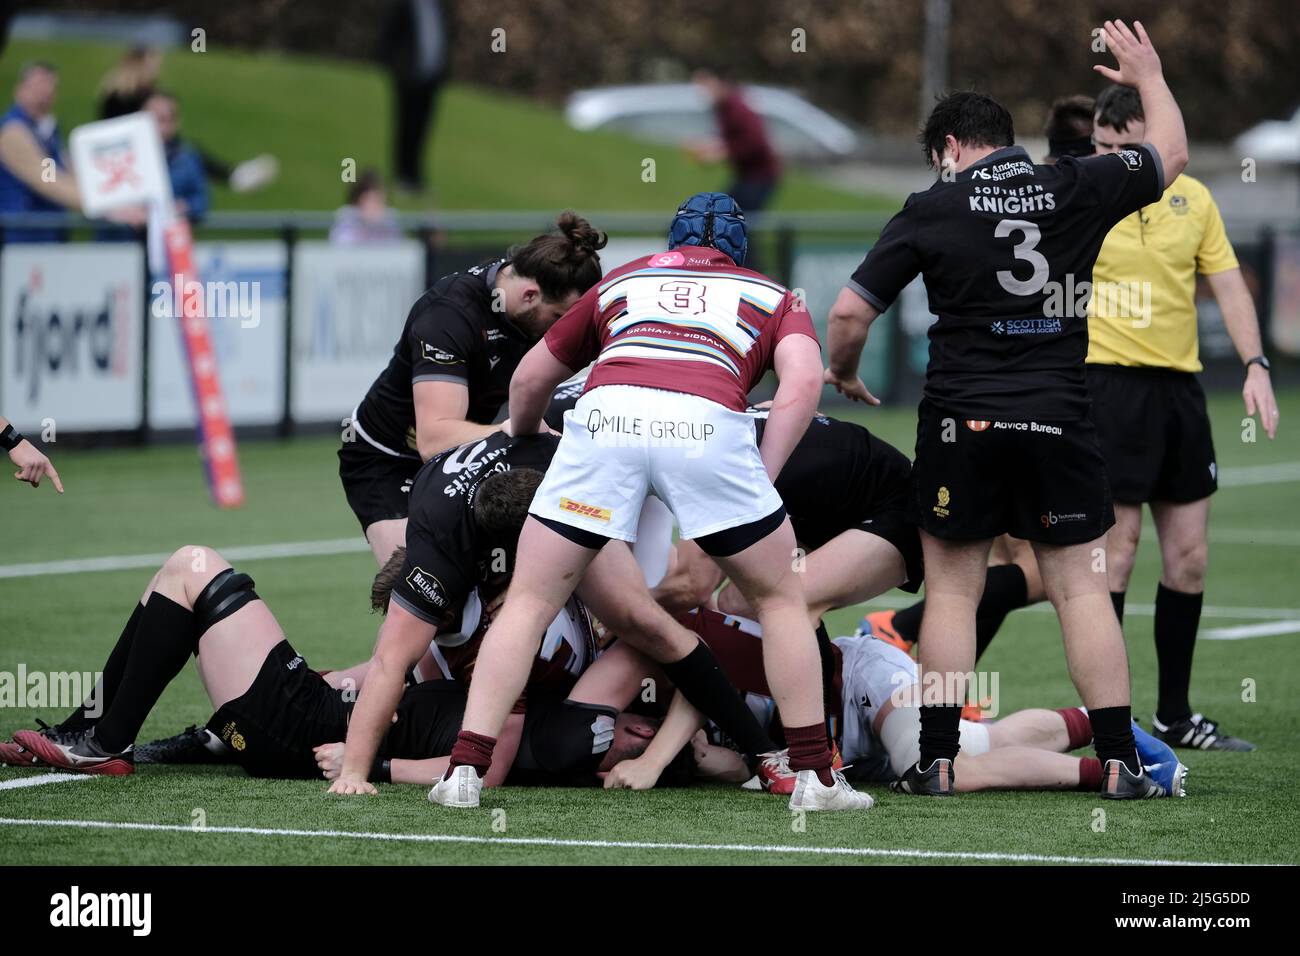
[[810, 751], [1089, 774], [1078, 726], [472, 750]]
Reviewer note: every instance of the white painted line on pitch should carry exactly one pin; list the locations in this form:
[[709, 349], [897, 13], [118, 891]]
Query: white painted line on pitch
[[613, 844], [1280, 473], [1243, 631], [42, 779], [126, 562], [1138, 610]]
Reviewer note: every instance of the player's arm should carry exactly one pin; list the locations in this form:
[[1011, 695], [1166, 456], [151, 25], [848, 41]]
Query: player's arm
[[531, 388], [440, 409], [797, 361], [330, 757], [32, 464], [23, 156], [1139, 66], [1242, 323], [403, 639], [643, 772], [847, 325], [691, 579]]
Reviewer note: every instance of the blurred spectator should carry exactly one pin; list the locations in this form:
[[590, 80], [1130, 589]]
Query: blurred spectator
[[34, 175], [742, 142], [184, 165], [415, 46], [366, 217], [1069, 127], [128, 84]]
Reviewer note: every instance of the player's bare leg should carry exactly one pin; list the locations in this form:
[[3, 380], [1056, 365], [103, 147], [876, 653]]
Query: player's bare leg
[[1121, 547], [765, 573], [850, 568], [954, 574], [385, 537], [1026, 768]]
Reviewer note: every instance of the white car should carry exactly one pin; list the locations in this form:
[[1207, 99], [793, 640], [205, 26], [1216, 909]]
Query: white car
[[680, 113], [1272, 141]]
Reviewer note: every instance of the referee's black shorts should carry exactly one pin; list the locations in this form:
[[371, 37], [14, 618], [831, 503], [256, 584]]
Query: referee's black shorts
[[1040, 481], [1155, 433]]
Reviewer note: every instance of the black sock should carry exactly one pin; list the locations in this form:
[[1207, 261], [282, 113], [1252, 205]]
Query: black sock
[[1005, 590], [940, 732], [1117, 599], [1178, 618], [698, 676], [164, 641], [1112, 736], [827, 652], [101, 697], [907, 622]]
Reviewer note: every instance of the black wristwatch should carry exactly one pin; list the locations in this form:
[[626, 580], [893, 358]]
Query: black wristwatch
[[1260, 361]]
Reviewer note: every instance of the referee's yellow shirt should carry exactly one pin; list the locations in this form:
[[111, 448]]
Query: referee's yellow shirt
[[1143, 309]]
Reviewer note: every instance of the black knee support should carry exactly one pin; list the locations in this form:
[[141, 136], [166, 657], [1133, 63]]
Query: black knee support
[[225, 594]]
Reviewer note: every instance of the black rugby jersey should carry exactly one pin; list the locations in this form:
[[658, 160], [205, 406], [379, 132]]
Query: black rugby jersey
[[1006, 252]]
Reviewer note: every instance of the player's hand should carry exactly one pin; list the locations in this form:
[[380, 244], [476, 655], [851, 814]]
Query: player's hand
[[33, 465], [351, 787], [851, 388], [637, 774], [1258, 393], [329, 757], [1135, 55], [542, 428]]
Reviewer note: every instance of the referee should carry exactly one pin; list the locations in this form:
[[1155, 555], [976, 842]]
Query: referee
[[1149, 407], [450, 370], [1004, 443]]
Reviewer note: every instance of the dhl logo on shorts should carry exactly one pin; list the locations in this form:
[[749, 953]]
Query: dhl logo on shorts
[[587, 511]]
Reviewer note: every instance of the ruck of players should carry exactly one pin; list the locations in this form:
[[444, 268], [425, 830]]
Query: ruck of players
[[571, 494]]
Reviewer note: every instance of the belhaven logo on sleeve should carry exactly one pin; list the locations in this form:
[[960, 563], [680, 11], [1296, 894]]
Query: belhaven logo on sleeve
[[434, 354], [427, 586], [587, 511], [1132, 158]]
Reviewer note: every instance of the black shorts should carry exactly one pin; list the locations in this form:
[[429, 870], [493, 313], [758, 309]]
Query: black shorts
[[876, 504], [290, 709], [1041, 481], [1155, 434], [378, 485]]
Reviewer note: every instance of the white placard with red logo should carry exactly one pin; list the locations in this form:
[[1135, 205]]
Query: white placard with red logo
[[119, 162], [70, 326]]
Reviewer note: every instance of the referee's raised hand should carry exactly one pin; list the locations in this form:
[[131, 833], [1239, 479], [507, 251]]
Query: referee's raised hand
[[851, 387]]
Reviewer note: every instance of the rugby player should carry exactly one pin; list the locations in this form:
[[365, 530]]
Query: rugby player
[[32, 464], [876, 710], [460, 555], [1150, 409], [678, 339], [1004, 441], [451, 368], [276, 717]]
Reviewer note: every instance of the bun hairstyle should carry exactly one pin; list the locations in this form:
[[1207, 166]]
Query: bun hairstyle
[[562, 262]]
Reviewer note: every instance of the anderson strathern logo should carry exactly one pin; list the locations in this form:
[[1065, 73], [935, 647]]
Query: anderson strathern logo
[[77, 909]]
